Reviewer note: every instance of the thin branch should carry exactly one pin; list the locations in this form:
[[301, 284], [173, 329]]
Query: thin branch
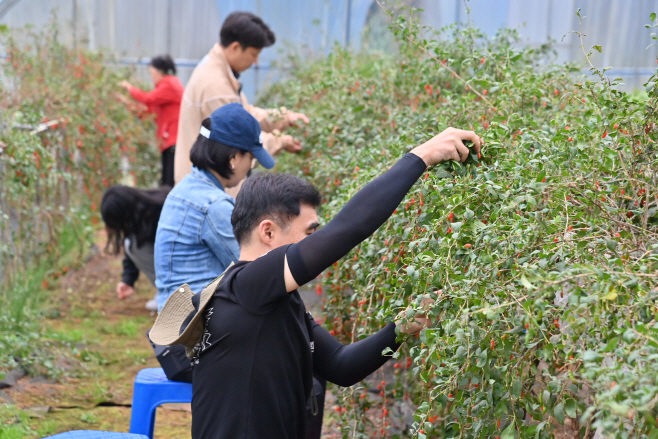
[[441, 65]]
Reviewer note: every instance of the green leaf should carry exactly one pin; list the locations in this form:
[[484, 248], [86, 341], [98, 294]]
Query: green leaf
[[540, 427], [526, 283], [598, 48], [509, 432], [558, 412], [570, 408], [482, 358], [612, 295], [611, 346], [611, 244], [652, 16], [592, 356], [516, 388], [541, 176], [628, 336]]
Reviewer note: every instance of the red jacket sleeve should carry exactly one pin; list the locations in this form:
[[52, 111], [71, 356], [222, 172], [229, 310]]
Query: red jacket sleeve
[[162, 94]]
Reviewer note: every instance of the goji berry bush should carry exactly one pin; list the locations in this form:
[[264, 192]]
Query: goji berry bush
[[544, 247], [65, 136]]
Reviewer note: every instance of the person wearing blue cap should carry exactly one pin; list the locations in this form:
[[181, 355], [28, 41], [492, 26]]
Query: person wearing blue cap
[[195, 242]]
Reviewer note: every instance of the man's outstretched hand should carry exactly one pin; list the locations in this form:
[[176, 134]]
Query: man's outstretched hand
[[420, 320], [448, 145], [291, 144], [293, 118]]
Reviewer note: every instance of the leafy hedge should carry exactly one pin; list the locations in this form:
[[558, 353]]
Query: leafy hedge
[[64, 135], [545, 249]]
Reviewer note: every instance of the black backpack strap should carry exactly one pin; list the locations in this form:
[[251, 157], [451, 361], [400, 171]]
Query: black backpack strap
[[309, 329]]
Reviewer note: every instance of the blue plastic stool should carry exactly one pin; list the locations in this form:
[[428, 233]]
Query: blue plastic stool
[[87, 434], [152, 388]]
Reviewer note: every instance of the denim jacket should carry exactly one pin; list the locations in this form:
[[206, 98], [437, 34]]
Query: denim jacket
[[195, 242]]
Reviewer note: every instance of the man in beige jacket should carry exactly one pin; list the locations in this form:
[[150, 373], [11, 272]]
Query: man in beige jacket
[[214, 83]]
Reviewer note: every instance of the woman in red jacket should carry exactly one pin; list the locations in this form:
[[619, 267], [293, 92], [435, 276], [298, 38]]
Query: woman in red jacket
[[164, 100]]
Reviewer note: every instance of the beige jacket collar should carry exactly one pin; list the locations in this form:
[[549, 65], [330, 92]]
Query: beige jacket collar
[[217, 56]]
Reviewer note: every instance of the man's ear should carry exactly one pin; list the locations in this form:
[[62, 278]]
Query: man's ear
[[235, 47], [266, 230]]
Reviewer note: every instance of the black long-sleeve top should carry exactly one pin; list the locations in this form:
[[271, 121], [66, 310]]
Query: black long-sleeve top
[[130, 272], [253, 372]]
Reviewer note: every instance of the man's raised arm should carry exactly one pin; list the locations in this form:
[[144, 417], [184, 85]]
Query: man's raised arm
[[371, 207]]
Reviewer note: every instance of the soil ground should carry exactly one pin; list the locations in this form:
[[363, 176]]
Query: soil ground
[[107, 335], [106, 347]]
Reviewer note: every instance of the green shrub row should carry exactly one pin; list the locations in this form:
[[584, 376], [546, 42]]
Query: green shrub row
[[65, 136], [545, 249]]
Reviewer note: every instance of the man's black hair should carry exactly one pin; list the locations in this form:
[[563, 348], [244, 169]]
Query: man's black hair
[[209, 155], [165, 64], [247, 29], [274, 196]]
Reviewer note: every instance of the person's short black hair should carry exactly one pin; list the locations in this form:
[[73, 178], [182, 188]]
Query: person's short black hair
[[165, 64], [274, 196], [207, 154], [247, 29]]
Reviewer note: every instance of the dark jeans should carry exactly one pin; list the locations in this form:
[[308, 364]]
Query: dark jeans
[[168, 166]]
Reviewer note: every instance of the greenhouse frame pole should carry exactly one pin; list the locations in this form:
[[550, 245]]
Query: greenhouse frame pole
[[6, 5], [348, 21]]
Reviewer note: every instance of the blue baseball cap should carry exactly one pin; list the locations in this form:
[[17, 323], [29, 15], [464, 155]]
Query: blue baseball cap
[[232, 125]]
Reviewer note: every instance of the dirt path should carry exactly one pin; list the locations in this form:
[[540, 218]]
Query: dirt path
[[104, 348], [109, 348]]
